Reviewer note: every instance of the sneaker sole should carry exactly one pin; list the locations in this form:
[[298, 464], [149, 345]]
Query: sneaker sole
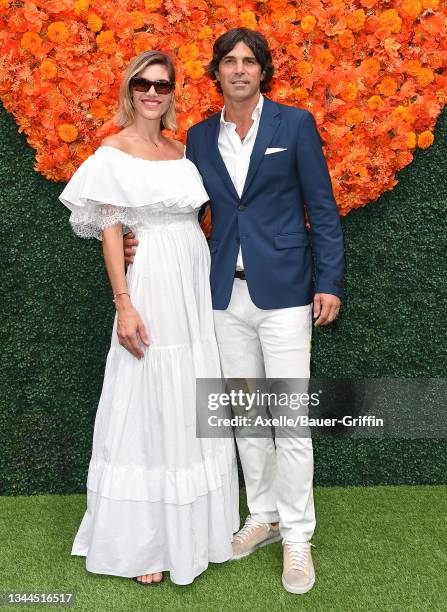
[[297, 590], [276, 538]]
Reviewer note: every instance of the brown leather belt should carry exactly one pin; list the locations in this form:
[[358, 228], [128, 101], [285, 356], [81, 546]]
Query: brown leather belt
[[239, 274]]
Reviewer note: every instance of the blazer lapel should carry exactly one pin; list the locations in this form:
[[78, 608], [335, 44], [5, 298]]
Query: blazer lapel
[[268, 124], [215, 156]]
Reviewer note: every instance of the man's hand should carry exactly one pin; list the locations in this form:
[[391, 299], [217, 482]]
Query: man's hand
[[130, 248], [326, 307]]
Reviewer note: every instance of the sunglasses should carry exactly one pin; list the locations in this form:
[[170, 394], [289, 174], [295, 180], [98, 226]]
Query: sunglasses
[[144, 85]]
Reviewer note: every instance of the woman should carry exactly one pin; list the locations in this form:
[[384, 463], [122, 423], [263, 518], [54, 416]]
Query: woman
[[158, 497]]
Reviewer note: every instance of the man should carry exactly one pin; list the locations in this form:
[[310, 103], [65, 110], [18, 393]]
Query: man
[[262, 164]]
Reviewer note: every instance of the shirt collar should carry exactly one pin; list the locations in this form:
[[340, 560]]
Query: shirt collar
[[255, 114]]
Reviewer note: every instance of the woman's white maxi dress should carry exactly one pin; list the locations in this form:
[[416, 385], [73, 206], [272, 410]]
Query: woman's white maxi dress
[[158, 497]]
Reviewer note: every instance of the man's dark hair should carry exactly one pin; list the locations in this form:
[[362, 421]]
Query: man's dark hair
[[255, 41]]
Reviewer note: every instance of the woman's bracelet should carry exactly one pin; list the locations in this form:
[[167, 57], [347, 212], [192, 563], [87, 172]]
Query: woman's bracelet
[[115, 295]]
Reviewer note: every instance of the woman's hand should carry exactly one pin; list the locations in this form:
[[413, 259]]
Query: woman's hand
[[130, 328]]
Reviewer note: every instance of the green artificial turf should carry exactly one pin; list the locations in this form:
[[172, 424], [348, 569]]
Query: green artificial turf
[[376, 548]]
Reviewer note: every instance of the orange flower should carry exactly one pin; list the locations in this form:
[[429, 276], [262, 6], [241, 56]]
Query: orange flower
[[47, 69], [293, 50], [374, 102], [300, 93], [354, 116], [4, 4], [425, 76], [67, 132], [188, 52], [356, 20], [308, 23], [390, 20], [325, 57], [81, 6], [346, 39], [190, 119], [370, 67], [137, 19], [349, 92], [61, 154], [425, 139], [410, 8], [408, 116], [205, 32], [144, 42], [220, 14], [31, 41], [106, 42], [189, 98], [430, 4], [398, 113], [303, 68], [412, 67], [94, 22], [403, 113], [285, 13], [247, 19], [99, 110], [58, 32], [411, 140], [388, 86], [347, 138], [153, 5], [194, 69], [359, 170], [280, 90], [83, 151]]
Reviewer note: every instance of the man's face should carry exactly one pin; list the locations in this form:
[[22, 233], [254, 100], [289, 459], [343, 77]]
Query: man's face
[[239, 73]]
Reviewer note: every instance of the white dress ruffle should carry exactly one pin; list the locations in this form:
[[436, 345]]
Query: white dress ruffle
[[114, 187], [158, 497]]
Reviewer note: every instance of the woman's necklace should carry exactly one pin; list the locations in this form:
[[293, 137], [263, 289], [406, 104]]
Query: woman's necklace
[[150, 142], [153, 143]]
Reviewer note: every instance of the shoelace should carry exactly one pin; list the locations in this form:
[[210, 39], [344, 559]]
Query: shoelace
[[298, 553], [248, 528]]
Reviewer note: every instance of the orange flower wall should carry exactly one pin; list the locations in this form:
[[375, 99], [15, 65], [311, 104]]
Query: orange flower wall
[[373, 73]]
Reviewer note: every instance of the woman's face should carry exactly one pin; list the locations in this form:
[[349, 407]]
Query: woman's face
[[150, 104]]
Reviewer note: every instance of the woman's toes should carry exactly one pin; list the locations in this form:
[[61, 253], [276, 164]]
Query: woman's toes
[[145, 578], [150, 577]]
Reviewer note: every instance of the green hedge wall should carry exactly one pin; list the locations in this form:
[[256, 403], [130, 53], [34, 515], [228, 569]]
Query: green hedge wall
[[57, 314]]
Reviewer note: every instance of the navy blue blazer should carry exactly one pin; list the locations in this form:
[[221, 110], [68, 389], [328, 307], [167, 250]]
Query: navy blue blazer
[[268, 219]]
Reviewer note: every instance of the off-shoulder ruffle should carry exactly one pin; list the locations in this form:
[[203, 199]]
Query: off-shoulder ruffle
[[112, 186]]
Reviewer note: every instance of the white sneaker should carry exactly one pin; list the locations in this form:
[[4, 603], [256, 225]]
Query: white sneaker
[[298, 575], [252, 536]]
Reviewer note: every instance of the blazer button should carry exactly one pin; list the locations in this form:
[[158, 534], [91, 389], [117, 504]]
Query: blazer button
[[241, 207]]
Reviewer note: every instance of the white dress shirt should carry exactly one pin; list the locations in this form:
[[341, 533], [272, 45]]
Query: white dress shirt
[[236, 153]]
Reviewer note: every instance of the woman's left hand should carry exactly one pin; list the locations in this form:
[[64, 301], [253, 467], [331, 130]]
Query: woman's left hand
[[130, 327]]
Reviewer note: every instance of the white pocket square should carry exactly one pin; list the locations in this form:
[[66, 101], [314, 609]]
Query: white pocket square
[[273, 150]]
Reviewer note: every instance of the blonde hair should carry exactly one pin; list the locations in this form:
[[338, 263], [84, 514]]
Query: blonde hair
[[126, 111]]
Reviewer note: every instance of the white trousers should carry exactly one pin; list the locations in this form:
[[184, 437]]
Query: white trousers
[[255, 343]]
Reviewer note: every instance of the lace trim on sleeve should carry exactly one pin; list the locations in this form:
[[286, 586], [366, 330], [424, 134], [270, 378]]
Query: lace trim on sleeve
[[90, 220]]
